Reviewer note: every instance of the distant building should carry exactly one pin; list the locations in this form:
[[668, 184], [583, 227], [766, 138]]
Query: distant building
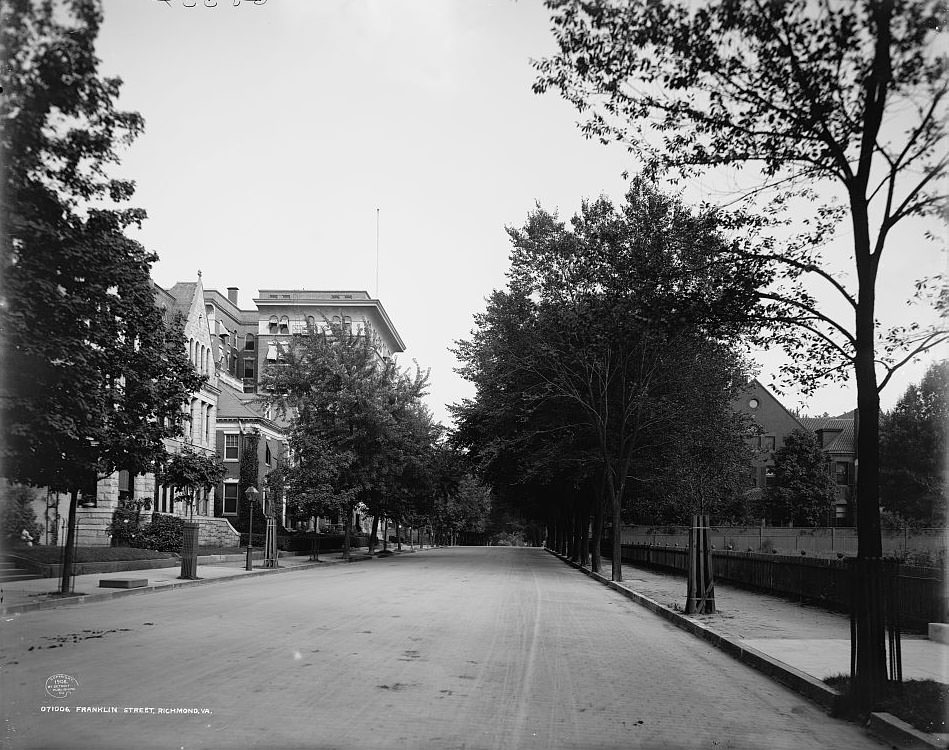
[[242, 423], [774, 423], [837, 437], [100, 499], [249, 340]]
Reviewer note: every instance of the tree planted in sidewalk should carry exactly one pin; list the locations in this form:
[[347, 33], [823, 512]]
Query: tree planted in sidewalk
[[94, 373], [844, 97], [345, 402], [611, 310]]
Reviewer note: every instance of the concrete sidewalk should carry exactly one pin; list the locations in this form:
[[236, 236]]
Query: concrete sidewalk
[[42, 593], [796, 643], [807, 637]]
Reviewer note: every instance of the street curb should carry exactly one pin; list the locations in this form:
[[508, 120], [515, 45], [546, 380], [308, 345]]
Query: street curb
[[73, 601], [883, 726], [898, 733]]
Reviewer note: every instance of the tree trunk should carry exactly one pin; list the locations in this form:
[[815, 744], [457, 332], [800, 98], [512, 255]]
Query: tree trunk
[[868, 615], [596, 563], [372, 533], [70, 541], [346, 533], [584, 519], [617, 567], [575, 536]]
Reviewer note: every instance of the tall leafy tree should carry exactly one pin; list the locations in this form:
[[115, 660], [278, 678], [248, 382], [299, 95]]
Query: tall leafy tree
[[94, 375], [610, 311], [345, 403], [913, 449], [848, 97]]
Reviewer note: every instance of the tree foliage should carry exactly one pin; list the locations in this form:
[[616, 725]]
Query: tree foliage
[[93, 374], [611, 332], [190, 472], [803, 491], [355, 419], [843, 97], [913, 450]]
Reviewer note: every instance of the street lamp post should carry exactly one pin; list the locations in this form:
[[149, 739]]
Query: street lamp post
[[251, 493]]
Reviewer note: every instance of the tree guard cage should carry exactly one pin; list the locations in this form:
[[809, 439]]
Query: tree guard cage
[[189, 550], [700, 597], [875, 589]]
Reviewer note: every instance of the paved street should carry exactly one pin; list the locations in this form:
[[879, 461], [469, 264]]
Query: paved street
[[447, 648]]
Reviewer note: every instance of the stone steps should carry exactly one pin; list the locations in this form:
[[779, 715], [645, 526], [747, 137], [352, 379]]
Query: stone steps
[[10, 572]]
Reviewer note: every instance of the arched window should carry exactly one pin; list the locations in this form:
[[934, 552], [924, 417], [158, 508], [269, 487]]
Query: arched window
[[284, 325], [249, 342], [273, 325]]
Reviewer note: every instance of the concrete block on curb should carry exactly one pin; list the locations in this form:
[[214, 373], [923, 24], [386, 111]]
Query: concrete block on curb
[[939, 632], [122, 583]]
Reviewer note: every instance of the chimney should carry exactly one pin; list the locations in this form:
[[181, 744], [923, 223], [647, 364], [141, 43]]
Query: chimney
[[232, 294]]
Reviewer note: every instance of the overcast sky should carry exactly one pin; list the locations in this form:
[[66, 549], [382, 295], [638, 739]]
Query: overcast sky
[[275, 132]]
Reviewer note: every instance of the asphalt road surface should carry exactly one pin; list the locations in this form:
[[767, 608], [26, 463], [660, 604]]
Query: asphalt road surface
[[450, 648]]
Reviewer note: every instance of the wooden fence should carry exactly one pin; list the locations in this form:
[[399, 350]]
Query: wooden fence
[[921, 591]]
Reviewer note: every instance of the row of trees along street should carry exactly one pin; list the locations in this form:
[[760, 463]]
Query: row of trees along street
[[361, 437], [830, 119], [94, 375]]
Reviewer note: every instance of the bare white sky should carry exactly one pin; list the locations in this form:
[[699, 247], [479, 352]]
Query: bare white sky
[[275, 132]]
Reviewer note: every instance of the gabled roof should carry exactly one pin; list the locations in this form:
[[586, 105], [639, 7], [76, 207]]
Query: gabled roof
[[232, 405], [183, 292], [843, 442]]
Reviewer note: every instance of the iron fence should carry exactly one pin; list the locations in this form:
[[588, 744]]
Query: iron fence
[[921, 595]]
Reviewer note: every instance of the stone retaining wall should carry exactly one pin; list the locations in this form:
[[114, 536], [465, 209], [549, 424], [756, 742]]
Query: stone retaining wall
[[92, 524]]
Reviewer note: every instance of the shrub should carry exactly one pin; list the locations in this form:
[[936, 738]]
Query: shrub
[[164, 533], [17, 514], [125, 527]]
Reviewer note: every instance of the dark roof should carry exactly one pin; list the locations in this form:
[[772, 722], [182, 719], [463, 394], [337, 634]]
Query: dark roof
[[233, 405], [843, 442], [183, 292]]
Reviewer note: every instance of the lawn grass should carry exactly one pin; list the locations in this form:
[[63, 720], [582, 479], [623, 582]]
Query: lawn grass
[[50, 555], [921, 703]]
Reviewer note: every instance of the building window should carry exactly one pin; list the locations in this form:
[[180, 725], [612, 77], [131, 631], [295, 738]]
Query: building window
[[842, 472], [207, 425], [769, 476], [231, 447], [230, 499], [347, 325], [767, 442], [273, 325], [248, 368], [284, 325], [249, 342], [267, 455]]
